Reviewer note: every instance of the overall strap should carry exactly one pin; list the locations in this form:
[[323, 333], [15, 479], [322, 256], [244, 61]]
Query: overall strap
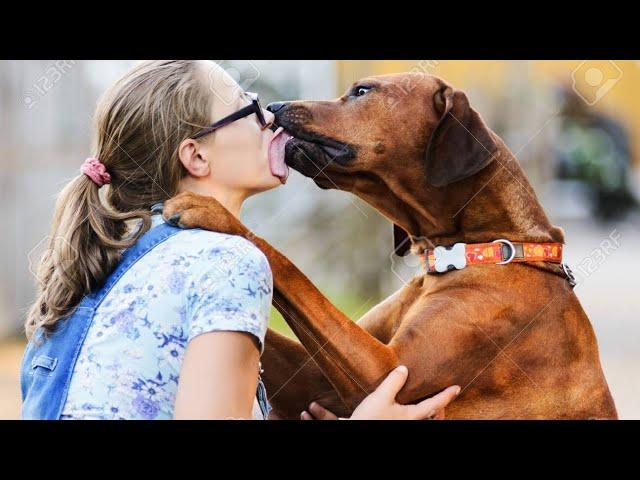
[[144, 245]]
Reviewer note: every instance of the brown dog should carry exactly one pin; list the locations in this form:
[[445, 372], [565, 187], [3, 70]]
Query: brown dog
[[513, 336]]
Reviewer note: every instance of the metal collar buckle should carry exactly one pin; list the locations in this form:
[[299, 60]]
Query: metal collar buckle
[[510, 245]]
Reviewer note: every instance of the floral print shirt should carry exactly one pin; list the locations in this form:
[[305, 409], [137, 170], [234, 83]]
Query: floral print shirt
[[195, 282]]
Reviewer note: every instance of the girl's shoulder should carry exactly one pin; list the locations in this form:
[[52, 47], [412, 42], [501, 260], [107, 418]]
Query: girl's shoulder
[[217, 248]]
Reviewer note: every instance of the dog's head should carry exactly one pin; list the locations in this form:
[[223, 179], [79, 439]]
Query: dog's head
[[385, 131]]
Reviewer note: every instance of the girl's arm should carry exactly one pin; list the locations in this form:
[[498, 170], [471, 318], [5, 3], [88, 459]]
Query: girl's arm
[[218, 377]]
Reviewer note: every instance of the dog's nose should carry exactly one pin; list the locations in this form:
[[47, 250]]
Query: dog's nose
[[275, 107]]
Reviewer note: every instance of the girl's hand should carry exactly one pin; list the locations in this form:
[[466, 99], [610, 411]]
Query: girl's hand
[[382, 405]]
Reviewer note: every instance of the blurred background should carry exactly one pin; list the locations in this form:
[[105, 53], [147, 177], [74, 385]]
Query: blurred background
[[573, 125]]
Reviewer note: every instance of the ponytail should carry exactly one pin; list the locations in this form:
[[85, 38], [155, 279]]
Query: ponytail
[[139, 124], [85, 244]]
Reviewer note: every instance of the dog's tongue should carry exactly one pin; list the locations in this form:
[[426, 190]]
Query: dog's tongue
[[276, 155]]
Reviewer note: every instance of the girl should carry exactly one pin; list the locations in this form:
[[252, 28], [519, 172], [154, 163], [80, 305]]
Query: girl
[[136, 319]]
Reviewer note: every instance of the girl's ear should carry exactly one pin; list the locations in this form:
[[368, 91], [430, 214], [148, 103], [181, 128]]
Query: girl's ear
[[190, 154]]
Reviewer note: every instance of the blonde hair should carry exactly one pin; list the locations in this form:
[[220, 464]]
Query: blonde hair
[[139, 124]]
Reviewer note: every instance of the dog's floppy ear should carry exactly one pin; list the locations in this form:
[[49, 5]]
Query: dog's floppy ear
[[461, 144], [401, 242]]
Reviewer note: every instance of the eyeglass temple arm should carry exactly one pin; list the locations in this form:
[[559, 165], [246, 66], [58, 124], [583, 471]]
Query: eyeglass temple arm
[[243, 112]]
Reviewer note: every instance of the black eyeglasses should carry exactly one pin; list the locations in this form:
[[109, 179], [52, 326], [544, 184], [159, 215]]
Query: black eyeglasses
[[254, 107]]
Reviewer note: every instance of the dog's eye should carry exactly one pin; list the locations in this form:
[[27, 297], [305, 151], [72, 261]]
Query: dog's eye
[[360, 91]]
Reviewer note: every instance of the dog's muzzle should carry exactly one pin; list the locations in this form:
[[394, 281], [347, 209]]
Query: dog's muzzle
[[308, 152]]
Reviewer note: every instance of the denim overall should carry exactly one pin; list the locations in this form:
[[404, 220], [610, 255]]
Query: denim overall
[[48, 363]]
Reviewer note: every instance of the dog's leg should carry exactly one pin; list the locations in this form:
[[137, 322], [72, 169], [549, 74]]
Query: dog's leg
[[293, 379], [354, 361]]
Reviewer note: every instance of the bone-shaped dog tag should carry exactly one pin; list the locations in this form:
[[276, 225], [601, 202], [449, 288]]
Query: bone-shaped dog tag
[[453, 257]]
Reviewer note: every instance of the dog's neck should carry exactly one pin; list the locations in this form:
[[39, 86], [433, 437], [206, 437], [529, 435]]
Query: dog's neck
[[498, 202]]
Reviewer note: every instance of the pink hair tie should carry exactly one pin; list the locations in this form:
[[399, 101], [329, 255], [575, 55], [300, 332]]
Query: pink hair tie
[[96, 171]]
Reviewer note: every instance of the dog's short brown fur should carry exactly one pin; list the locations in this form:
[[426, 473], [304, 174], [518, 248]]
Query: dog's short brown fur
[[513, 336]]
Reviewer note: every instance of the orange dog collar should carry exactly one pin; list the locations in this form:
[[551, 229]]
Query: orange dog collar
[[499, 252]]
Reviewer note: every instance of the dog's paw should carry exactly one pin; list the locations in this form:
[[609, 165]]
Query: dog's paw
[[189, 210]]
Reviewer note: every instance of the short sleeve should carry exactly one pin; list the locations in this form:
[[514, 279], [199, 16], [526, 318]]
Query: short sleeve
[[232, 292]]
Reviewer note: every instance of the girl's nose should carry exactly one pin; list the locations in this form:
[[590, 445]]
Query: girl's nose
[[270, 119]]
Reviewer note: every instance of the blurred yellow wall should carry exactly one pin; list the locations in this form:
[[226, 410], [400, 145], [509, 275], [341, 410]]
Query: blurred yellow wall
[[620, 100]]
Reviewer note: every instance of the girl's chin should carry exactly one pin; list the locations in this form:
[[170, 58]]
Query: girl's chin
[[275, 182], [269, 184]]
